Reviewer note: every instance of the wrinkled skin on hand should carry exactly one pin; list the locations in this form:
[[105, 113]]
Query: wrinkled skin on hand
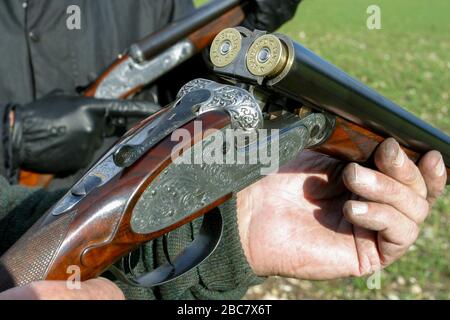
[[320, 218], [95, 289]]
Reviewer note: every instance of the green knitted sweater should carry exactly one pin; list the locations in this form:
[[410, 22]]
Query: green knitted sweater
[[224, 275]]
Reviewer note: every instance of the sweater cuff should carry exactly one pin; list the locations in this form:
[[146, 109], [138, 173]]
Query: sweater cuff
[[227, 269], [225, 275]]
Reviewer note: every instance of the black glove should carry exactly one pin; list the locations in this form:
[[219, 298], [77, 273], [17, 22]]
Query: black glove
[[269, 15], [59, 134]]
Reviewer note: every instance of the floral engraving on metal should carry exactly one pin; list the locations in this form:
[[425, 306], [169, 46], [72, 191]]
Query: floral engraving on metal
[[243, 108], [130, 74], [196, 97], [183, 189]]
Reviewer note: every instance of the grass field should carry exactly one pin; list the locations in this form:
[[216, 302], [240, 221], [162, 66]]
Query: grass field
[[408, 60]]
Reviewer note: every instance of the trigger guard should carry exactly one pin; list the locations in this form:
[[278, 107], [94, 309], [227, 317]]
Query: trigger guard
[[198, 251]]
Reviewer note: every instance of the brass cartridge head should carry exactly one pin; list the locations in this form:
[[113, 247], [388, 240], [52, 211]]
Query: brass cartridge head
[[225, 47], [267, 56]]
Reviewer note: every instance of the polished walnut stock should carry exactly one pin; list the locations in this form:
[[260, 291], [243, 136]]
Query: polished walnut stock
[[97, 232]]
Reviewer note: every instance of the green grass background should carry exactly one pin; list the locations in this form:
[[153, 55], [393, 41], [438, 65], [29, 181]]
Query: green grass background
[[408, 61]]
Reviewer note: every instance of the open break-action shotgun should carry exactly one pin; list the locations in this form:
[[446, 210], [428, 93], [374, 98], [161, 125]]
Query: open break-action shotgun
[[139, 191]]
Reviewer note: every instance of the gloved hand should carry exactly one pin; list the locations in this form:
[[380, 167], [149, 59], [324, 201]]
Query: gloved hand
[[269, 15], [59, 134]]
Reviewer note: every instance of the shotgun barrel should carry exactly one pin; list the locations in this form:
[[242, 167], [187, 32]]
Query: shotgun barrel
[[157, 42], [316, 81], [277, 63]]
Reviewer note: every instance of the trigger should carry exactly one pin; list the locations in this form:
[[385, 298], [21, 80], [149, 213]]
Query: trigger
[[200, 249], [166, 248], [129, 262]]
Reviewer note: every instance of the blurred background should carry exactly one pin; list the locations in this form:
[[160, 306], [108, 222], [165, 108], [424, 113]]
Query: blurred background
[[408, 61]]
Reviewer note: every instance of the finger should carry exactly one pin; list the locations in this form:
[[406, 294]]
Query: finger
[[391, 160], [95, 289], [434, 172], [377, 187], [396, 232], [129, 108], [391, 223]]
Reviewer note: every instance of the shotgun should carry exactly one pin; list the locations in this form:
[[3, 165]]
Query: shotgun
[[274, 95], [154, 56], [363, 117]]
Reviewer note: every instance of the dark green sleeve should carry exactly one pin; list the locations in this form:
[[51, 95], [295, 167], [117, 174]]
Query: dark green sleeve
[[20, 208], [225, 275]]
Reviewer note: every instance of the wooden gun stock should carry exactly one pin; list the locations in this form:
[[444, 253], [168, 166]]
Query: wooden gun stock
[[96, 232]]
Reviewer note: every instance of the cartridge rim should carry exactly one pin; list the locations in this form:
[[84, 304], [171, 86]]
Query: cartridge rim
[[226, 47], [267, 56]]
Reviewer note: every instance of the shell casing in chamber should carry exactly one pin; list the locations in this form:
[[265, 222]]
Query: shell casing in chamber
[[267, 56], [225, 47], [257, 55]]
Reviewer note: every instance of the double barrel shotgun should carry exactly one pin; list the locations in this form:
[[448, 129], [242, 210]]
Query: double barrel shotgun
[[139, 191], [154, 56]]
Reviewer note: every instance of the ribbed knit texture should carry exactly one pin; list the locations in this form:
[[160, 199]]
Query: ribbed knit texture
[[20, 208]]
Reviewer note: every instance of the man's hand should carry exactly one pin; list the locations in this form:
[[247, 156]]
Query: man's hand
[[321, 219], [269, 15], [59, 134], [96, 289]]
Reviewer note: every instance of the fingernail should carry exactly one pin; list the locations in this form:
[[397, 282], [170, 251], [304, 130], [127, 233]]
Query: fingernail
[[363, 176], [359, 208], [399, 159], [440, 168]]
